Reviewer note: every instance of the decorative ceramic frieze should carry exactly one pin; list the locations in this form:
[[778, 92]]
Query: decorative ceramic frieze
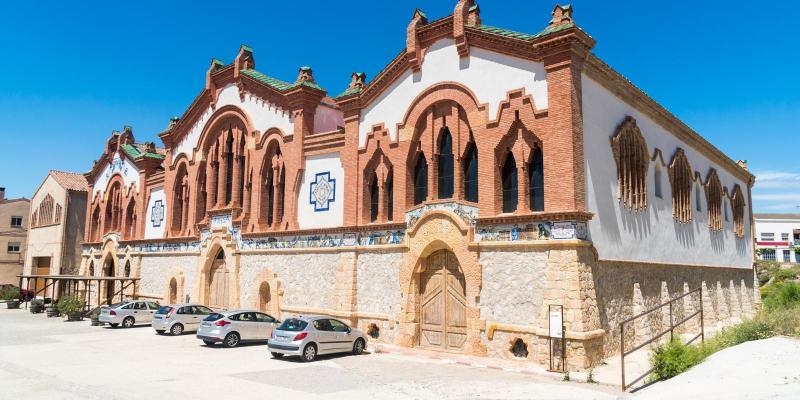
[[541, 230], [324, 241], [465, 212]]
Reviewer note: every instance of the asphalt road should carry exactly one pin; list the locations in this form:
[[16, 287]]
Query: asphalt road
[[46, 358]]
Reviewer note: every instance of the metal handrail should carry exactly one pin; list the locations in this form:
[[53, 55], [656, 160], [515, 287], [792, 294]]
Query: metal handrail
[[671, 331]]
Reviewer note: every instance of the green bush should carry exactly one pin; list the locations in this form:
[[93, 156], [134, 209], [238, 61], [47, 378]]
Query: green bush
[[738, 334], [68, 305], [671, 359], [786, 274], [10, 294], [781, 296], [783, 321]]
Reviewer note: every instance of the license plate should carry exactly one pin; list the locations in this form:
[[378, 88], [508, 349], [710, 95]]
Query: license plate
[[283, 339], [159, 317]]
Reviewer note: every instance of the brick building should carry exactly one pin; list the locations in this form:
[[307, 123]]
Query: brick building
[[481, 176]]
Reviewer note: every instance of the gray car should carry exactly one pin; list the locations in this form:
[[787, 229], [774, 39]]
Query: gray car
[[233, 327], [179, 318], [309, 337], [128, 313]]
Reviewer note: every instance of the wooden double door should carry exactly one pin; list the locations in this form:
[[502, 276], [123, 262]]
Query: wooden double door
[[443, 303], [218, 286]]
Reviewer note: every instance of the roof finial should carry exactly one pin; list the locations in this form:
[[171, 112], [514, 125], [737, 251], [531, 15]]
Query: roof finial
[[358, 80], [561, 15], [305, 75]]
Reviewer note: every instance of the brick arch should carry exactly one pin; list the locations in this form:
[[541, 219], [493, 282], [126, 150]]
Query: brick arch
[[208, 135], [380, 164], [179, 214], [439, 230], [451, 91], [220, 241]]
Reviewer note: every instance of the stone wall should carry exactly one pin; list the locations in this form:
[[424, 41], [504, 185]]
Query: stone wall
[[307, 279], [512, 287], [378, 283], [624, 290], [156, 270]]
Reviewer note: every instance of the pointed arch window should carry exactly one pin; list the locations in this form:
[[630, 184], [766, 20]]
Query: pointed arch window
[[631, 155], [272, 193], [445, 165], [509, 179], [737, 204], [420, 179], [130, 220], [228, 169], [657, 179], [374, 197], [714, 200], [180, 201], [471, 173], [680, 176], [390, 195], [536, 180]]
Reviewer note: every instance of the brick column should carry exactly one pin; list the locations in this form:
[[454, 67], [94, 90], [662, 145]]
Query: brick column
[[523, 188]]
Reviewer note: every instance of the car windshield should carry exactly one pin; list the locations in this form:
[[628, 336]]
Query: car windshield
[[164, 310], [293, 325], [120, 304], [213, 317]]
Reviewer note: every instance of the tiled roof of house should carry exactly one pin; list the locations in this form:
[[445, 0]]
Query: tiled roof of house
[[136, 150], [278, 84], [70, 180]]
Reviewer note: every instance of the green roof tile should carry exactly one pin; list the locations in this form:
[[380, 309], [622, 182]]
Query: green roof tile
[[523, 36], [134, 152], [349, 91], [278, 84]]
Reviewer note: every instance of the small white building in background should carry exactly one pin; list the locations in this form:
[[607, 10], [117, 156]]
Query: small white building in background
[[777, 235]]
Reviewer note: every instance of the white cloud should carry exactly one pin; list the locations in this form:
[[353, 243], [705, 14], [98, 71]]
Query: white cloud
[[777, 197], [777, 180]]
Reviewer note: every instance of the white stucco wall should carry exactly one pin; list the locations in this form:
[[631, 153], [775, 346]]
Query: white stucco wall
[[122, 166], [262, 114], [307, 216], [513, 285], [151, 231], [378, 282], [158, 269], [308, 279], [482, 72], [651, 235], [327, 119]]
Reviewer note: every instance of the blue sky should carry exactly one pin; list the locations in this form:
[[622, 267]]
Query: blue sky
[[73, 72]]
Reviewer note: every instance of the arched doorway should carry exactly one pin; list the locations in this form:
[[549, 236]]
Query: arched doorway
[[264, 300], [442, 302], [173, 291], [218, 283], [108, 271]]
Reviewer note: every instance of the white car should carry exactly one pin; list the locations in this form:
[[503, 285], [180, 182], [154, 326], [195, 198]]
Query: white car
[[179, 318], [233, 327], [128, 313]]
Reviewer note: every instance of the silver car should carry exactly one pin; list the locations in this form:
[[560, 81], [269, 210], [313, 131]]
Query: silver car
[[179, 318], [128, 313], [233, 327], [309, 337]]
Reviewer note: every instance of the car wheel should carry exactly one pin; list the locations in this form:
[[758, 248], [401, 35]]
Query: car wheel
[[358, 346], [128, 322], [113, 325], [159, 331], [309, 353], [232, 340], [176, 330], [208, 342], [277, 355]]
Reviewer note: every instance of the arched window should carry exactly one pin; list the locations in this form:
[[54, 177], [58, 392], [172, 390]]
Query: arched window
[[445, 167], [471, 173], [737, 204], [631, 155], [113, 206], [272, 193], [698, 198], [509, 178], [680, 176], [201, 195], [91, 268], [130, 220], [374, 200], [714, 199], [128, 269], [536, 180], [180, 201], [420, 179], [657, 180], [228, 168], [95, 226], [241, 160], [390, 195]]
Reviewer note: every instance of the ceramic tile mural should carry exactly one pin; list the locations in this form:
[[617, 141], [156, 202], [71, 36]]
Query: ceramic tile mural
[[323, 241], [532, 231], [465, 212]]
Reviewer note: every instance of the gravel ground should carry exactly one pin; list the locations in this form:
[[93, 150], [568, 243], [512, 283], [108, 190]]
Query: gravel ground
[[762, 369], [45, 358]]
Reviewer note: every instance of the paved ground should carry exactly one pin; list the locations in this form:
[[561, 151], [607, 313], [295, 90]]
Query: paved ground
[[762, 369], [45, 358]]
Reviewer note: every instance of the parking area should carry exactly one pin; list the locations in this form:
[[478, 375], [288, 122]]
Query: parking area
[[46, 358]]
